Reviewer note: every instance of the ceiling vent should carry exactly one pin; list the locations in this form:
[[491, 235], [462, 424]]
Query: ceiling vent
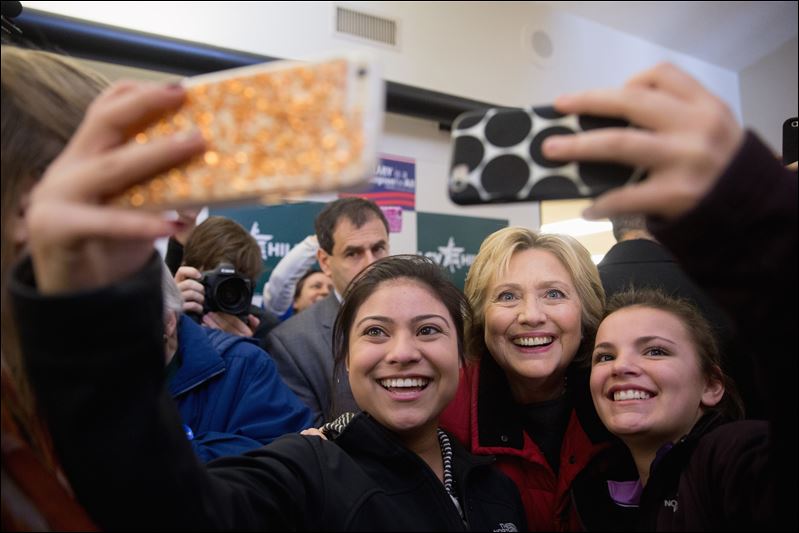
[[369, 27]]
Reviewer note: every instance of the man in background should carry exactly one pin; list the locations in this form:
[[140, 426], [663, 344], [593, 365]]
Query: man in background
[[352, 234]]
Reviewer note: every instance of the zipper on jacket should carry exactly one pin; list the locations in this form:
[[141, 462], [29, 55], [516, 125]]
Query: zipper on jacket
[[197, 384]]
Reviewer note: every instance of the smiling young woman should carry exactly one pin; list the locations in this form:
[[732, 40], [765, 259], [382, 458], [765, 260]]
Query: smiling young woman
[[656, 371], [658, 385]]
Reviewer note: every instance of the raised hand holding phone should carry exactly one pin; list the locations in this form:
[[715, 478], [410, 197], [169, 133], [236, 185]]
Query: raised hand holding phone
[[77, 240], [686, 139]]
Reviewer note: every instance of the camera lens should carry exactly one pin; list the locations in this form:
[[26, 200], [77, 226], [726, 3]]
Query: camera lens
[[232, 295]]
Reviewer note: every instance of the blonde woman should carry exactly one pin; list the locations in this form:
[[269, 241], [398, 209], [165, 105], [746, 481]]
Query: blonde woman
[[523, 397]]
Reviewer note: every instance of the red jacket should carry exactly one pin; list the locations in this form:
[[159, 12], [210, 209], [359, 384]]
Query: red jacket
[[483, 417]]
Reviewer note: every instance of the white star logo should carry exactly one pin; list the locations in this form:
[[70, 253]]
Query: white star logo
[[261, 238], [451, 255]]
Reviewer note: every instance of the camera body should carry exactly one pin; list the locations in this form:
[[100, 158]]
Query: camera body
[[227, 291]]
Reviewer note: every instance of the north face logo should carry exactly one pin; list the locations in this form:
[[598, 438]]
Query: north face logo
[[671, 503]]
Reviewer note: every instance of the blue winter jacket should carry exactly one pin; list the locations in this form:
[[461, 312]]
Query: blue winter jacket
[[229, 393]]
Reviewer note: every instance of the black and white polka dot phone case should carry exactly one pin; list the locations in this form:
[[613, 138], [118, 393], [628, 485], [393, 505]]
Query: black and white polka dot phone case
[[496, 158]]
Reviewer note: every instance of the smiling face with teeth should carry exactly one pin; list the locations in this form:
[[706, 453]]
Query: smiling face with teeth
[[646, 379], [403, 357], [533, 324]]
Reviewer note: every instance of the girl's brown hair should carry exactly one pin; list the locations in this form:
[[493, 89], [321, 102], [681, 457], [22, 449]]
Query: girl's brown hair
[[44, 98]]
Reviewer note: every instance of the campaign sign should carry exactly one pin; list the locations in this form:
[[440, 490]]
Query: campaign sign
[[276, 228], [393, 183], [453, 241]]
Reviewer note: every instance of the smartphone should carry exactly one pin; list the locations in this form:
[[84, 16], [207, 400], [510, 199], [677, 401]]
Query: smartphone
[[790, 140], [496, 158], [274, 131]]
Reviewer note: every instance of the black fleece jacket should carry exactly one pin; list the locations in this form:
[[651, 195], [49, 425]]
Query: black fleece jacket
[[121, 444]]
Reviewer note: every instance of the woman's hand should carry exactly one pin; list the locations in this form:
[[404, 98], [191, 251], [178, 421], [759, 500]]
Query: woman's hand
[[687, 138], [313, 432], [77, 240]]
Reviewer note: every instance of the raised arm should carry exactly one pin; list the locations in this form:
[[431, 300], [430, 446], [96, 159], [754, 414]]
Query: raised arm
[[279, 290], [725, 206], [98, 373]]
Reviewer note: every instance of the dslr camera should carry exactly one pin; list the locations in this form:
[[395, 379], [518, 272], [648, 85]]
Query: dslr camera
[[227, 291]]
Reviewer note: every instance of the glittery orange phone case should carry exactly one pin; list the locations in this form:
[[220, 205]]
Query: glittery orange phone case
[[274, 131]]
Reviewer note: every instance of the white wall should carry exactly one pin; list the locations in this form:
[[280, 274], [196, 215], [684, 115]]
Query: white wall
[[479, 50], [769, 93]]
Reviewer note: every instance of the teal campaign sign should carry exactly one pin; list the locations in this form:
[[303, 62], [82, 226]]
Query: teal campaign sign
[[277, 228], [453, 241]]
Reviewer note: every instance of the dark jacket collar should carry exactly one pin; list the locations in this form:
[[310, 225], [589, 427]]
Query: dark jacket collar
[[637, 251], [366, 437], [683, 448], [498, 420]]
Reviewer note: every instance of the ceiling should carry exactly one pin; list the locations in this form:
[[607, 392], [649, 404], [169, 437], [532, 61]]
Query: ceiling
[[732, 35]]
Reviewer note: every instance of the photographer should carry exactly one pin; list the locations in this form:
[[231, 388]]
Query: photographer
[[221, 264], [230, 396], [227, 389]]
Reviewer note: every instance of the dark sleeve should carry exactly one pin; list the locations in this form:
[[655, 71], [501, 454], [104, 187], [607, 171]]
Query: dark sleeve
[[98, 376], [736, 488], [174, 255], [745, 227], [740, 244], [215, 444]]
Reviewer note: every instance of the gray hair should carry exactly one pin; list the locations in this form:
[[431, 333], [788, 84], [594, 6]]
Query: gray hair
[[173, 300], [625, 223]]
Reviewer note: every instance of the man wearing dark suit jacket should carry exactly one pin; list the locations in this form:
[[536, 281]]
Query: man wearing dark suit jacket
[[352, 233], [637, 259]]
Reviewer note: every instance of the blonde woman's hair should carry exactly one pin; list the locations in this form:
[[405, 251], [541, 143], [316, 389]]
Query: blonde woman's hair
[[44, 98], [492, 262]]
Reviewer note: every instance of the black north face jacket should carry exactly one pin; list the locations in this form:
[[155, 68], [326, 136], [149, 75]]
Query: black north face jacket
[[713, 479]]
